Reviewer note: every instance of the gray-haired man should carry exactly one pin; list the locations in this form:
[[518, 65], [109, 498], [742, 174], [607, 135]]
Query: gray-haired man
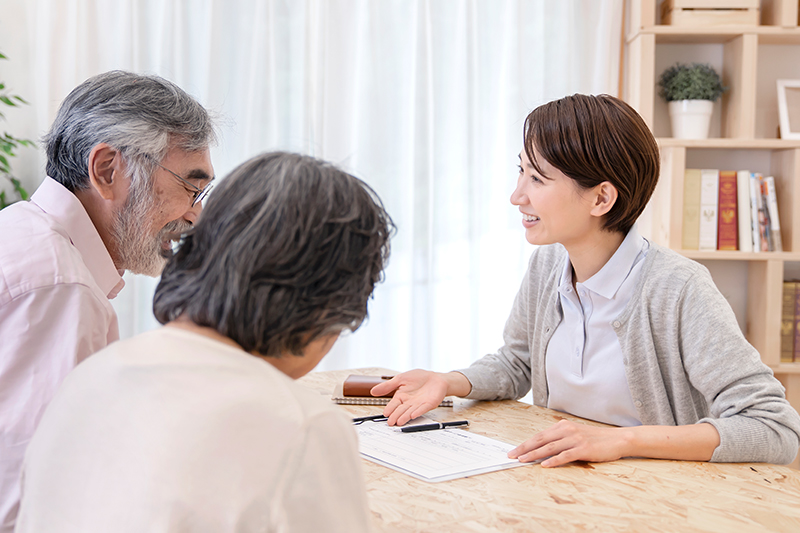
[[128, 164]]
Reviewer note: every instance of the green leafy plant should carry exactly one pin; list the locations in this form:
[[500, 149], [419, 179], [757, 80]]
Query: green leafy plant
[[695, 81], [8, 146]]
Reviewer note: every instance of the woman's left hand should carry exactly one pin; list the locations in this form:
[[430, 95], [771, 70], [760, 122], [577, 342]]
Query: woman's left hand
[[568, 441]]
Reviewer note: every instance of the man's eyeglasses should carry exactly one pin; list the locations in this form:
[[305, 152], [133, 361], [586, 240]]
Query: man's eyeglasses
[[197, 193]]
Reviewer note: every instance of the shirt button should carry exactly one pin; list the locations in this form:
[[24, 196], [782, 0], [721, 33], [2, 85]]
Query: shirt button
[[637, 403], [616, 323]]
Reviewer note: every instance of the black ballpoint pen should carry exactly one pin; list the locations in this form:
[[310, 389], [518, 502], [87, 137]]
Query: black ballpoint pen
[[373, 418], [437, 425]]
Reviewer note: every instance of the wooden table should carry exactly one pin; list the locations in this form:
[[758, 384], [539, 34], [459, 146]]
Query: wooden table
[[626, 495]]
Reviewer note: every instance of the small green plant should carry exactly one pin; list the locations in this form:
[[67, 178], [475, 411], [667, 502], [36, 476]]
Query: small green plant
[[8, 146], [696, 81]]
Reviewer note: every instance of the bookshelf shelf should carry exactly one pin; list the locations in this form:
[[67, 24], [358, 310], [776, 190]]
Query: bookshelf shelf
[[719, 34], [718, 255], [744, 136], [786, 368], [729, 144]]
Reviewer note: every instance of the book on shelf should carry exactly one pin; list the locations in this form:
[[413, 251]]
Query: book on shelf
[[788, 321], [743, 211], [771, 199], [755, 196], [709, 202], [764, 222], [690, 239], [730, 210], [727, 224]]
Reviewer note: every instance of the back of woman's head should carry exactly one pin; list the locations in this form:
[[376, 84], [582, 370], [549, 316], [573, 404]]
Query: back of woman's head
[[593, 139], [288, 249]]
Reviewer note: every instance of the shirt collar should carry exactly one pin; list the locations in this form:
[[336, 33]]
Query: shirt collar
[[609, 279], [565, 281], [65, 208]]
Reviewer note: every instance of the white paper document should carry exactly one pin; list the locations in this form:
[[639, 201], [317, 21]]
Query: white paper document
[[433, 456]]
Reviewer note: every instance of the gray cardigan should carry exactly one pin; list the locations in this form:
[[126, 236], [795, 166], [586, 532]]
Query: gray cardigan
[[685, 357]]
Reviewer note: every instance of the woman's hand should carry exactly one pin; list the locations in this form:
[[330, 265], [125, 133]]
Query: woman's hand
[[569, 441], [419, 391]]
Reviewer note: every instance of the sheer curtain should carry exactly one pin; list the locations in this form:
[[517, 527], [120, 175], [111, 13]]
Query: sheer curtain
[[423, 99]]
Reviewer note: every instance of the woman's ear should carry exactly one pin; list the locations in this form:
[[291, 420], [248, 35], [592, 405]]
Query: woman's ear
[[106, 172], [605, 196]]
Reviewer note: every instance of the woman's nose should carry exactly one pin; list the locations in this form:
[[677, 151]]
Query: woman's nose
[[518, 196]]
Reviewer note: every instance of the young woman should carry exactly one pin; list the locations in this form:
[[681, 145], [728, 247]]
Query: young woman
[[199, 426], [608, 326]]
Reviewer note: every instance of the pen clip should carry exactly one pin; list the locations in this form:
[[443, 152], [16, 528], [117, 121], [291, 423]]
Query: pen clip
[[372, 418]]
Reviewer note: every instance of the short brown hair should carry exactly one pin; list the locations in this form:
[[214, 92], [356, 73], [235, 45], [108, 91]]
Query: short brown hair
[[288, 249], [593, 139]]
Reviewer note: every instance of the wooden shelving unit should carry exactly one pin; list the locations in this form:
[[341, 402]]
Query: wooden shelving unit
[[744, 136]]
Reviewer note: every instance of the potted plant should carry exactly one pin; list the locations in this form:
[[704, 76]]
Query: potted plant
[[691, 91], [8, 147]]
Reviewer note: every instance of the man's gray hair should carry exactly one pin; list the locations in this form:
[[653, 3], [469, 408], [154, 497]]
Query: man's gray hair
[[141, 116]]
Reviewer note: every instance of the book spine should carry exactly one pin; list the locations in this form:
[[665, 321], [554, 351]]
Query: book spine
[[743, 211], [772, 207], [764, 222], [709, 198], [690, 238], [755, 197], [728, 226], [788, 321]]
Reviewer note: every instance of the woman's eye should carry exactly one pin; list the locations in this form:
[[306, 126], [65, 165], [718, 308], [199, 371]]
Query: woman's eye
[[520, 169]]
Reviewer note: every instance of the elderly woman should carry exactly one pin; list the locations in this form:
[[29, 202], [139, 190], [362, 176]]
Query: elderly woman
[[199, 426]]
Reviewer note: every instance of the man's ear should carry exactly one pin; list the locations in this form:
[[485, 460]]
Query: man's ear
[[605, 196], [107, 172]]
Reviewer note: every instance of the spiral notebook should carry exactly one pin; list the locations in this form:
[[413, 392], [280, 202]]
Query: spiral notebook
[[339, 397]]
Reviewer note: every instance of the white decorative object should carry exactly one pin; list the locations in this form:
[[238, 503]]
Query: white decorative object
[[690, 118], [789, 108]]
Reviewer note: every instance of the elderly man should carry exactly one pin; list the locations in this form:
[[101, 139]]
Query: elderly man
[[127, 166]]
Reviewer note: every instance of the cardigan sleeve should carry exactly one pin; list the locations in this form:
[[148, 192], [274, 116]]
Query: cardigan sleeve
[[507, 374], [746, 402]]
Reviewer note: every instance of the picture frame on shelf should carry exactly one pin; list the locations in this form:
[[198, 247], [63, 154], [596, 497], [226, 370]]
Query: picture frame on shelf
[[789, 108]]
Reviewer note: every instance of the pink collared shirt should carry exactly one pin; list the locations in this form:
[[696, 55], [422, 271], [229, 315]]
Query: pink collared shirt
[[56, 277]]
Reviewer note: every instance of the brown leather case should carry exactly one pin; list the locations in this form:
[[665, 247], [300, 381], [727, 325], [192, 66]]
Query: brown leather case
[[357, 385]]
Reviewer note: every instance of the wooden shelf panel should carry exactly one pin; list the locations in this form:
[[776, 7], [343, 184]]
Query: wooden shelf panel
[[786, 368], [726, 143], [717, 255], [718, 34]]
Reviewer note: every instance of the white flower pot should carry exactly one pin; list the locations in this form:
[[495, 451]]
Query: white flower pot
[[690, 118]]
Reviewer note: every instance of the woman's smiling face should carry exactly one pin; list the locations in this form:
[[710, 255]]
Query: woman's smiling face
[[554, 209]]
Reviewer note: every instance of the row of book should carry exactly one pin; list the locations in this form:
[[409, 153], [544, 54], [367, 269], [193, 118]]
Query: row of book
[[730, 210], [790, 322]]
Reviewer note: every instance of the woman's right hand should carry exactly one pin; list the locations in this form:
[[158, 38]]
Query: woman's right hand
[[419, 391]]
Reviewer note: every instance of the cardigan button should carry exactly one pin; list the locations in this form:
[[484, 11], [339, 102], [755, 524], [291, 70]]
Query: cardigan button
[[616, 324], [637, 403]]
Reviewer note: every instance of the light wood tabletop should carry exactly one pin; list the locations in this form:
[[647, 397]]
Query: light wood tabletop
[[625, 495]]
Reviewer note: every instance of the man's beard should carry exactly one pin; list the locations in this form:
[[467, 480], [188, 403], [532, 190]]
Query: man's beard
[[140, 246]]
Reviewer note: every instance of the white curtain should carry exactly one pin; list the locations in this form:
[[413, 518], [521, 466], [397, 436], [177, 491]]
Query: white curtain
[[423, 99]]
